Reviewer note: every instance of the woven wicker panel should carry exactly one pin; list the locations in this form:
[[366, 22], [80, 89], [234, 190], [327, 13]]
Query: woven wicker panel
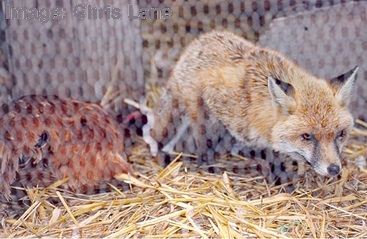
[[82, 59]]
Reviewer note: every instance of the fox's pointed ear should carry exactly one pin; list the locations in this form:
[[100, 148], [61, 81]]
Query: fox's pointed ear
[[282, 95], [343, 85]]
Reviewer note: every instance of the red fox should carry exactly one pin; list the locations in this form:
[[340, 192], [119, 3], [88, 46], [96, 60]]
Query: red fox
[[262, 98]]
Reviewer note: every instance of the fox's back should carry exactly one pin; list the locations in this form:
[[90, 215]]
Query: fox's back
[[208, 51], [225, 60]]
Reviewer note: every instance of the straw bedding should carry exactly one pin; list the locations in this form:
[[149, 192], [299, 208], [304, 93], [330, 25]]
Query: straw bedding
[[174, 202]]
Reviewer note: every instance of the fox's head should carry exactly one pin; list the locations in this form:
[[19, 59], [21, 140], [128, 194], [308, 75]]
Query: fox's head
[[314, 120]]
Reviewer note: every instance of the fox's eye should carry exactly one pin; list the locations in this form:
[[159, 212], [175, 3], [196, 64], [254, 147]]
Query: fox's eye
[[306, 136], [341, 134]]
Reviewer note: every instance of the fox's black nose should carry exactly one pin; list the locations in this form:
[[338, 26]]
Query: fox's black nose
[[333, 169]]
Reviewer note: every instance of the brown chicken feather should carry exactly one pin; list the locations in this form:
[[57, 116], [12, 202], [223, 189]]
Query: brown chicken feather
[[46, 138]]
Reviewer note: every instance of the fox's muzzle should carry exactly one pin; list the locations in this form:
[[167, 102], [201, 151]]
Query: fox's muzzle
[[326, 159]]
